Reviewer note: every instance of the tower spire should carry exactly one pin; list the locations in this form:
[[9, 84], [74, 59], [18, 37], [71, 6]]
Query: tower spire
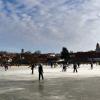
[[97, 47]]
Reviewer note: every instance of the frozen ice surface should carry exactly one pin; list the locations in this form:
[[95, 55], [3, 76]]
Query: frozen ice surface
[[18, 84]]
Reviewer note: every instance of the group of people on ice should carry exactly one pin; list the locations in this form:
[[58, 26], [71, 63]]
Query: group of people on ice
[[40, 68], [5, 66], [75, 67]]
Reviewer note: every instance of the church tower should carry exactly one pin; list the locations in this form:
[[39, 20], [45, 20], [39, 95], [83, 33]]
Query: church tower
[[97, 47]]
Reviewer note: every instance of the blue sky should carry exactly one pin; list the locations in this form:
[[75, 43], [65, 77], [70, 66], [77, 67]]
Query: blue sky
[[48, 25]]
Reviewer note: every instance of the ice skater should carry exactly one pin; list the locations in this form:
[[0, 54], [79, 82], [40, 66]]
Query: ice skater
[[32, 68], [78, 65], [91, 66], [51, 65], [75, 68], [6, 67], [40, 70], [64, 68]]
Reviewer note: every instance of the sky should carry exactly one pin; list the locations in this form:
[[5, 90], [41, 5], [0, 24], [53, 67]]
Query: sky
[[49, 25]]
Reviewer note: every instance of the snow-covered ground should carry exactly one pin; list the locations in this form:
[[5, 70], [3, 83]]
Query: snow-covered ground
[[24, 72], [18, 84]]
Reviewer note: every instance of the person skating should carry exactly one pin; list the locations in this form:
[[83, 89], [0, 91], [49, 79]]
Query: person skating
[[75, 68], [91, 65], [32, 68], [40, 70]]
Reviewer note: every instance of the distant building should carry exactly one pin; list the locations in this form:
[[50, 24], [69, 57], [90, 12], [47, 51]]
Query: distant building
[[97, 47], [22, 50]]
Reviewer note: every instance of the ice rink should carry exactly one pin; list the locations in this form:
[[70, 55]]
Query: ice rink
[[18, 84]]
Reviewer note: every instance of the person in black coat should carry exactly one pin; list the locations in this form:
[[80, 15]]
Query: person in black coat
[[40, 70], [91, 65], [32, 68], [75, 68]]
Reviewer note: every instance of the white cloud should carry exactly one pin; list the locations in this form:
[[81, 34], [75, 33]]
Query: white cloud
[[49, 24]]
